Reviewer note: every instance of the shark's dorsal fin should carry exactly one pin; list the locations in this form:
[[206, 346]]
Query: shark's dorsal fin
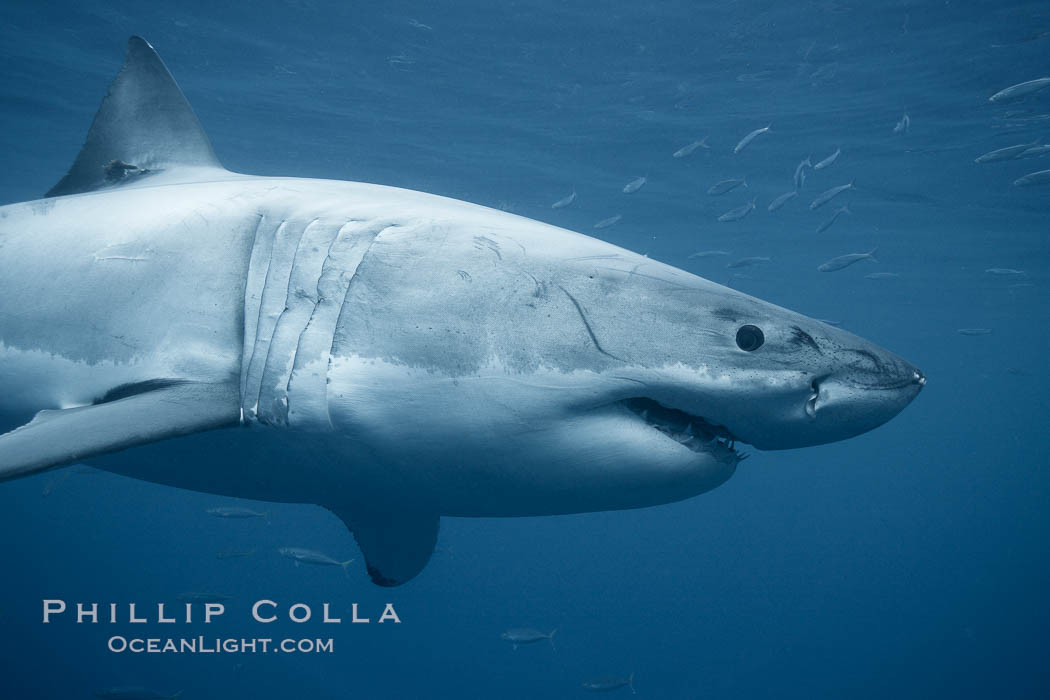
[[144, 126]]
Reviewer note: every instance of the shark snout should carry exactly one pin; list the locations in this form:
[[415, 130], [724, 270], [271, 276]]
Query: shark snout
[[857, 391], [850, 402]]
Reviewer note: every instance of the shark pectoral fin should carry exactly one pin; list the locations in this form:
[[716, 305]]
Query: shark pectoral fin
[[396, 545], [57, 438], [144, 126]]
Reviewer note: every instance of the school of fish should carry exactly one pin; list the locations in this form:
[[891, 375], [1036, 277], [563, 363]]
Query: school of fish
[[752, 139]]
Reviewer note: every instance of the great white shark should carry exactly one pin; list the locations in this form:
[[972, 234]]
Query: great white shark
[[391, 355]]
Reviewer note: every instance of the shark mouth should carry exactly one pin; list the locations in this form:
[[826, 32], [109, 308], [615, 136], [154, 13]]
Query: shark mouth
[[693, 432]]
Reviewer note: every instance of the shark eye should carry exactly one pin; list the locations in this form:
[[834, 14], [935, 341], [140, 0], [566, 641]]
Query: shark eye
[[749, 338]]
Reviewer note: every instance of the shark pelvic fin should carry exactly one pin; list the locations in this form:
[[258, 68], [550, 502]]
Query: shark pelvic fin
[[58, 438], [396, 545], [144, 126]]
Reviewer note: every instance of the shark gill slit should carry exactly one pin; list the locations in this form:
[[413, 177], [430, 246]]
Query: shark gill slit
[[262, 410], [373, 230], [319, 293], [250, 386], [249, 331], [310, 327], [305, 271], [275, 294], [335, 327]]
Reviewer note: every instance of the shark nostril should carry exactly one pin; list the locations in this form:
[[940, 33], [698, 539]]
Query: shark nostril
[[811, 406], [811, 402]]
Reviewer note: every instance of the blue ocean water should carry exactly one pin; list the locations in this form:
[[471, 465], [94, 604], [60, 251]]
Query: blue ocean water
[[909, 562]]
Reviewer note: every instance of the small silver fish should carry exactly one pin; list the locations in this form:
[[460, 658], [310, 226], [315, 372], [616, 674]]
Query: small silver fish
[[526, 635], [635, 185], [310, 556], [399, 60], [1020, 90], [903, 125], [847, 260], [1005, 272], [236, 512], [607, 684], [881, 276], [830, 322], [750, 137], [606, 223], [974, 331], [709, 253], [727, 185], [1038, 178], [133, 693], [1035, 151], [828, 195], [781, 200], [844, 209], [748, 262], [829, 160], [688, 149], [1008, 153], [800, 173], [565, 201], [738, 213]]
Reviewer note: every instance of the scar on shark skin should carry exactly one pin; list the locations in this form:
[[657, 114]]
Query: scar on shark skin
[[587, 325], [487, 243]]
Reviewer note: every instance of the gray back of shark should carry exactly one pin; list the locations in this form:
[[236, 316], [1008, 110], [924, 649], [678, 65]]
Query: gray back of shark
[[391, 355]]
